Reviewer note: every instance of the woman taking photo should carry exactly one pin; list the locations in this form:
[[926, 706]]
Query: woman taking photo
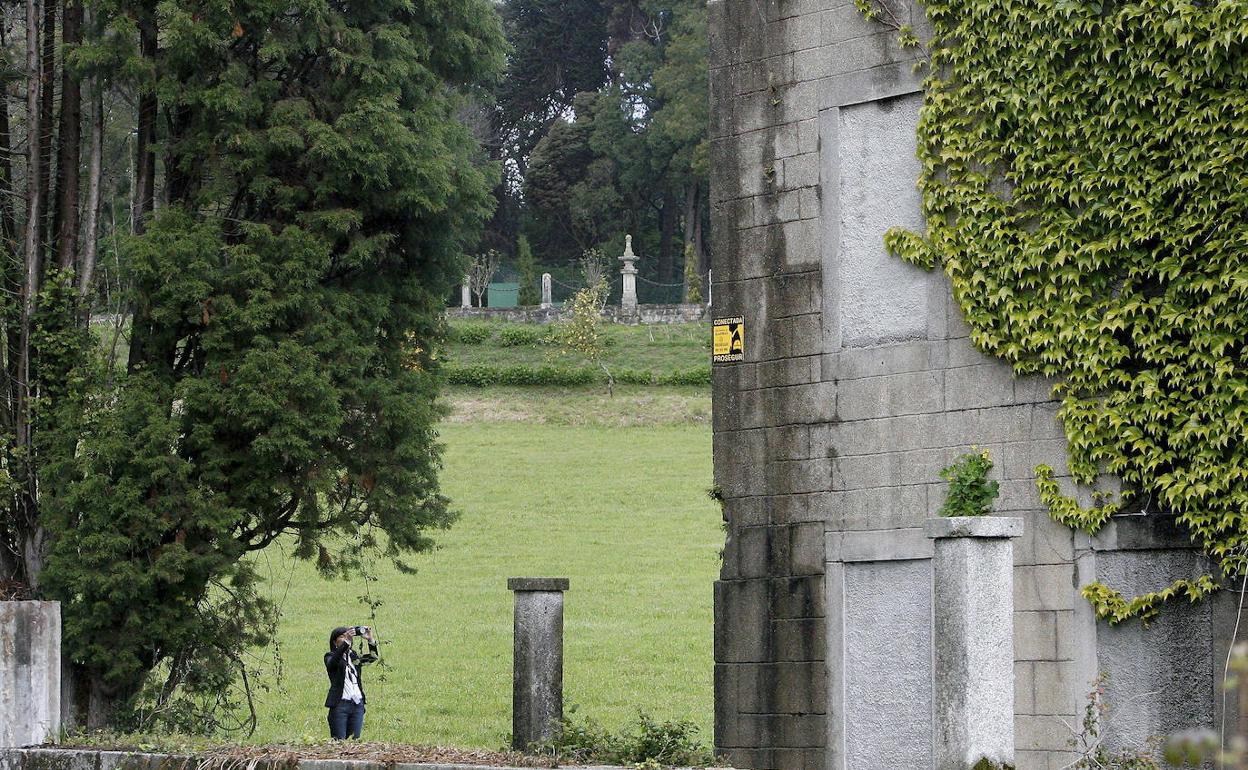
[[345, 700]]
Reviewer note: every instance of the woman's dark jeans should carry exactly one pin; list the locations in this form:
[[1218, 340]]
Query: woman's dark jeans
[[346, 719]]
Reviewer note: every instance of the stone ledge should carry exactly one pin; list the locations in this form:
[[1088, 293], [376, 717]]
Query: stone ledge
[[1143, 532], [47, 758], [537, 584], [973, 526]]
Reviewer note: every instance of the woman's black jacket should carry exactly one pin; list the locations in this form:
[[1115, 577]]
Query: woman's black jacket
[[334, 666]]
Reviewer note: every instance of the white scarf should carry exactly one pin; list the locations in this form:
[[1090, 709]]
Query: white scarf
[[351, 682]]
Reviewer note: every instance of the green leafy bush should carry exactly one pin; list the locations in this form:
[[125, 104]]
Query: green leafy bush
[[516, 336], [634, 377], [698, 375], [481, 375], [648, 742], [970, 492], [470, 334]]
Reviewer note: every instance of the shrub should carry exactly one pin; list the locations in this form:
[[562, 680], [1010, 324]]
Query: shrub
[[470, 334], [523, 336], [970, 491], [482, 375], [698, 375], [635, 376], [648, 743]]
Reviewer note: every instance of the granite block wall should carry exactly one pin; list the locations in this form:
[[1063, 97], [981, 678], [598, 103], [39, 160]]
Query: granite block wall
[[859, 384]]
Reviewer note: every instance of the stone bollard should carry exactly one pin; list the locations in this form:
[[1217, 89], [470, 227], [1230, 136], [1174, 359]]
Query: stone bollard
[[546, 303], [973, 604], [628, 297], [30, 673], [537, 662]]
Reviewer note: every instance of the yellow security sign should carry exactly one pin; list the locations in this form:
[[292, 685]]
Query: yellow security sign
[[728, 340]]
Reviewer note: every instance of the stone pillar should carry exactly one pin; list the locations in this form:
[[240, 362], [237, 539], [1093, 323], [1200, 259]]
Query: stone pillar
[[30, 673], [465, 294], [537, 662], [628, 298], [709, 283], [546, 303], [973, 604]]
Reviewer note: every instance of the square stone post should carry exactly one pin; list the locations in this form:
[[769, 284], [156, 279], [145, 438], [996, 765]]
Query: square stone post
[[973, 605], [546, 303], [628, 297], [537, 660], [465, 294], [30, 673]]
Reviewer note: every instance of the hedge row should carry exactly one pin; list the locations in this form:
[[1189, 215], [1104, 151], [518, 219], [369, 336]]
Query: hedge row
[[480, 375]]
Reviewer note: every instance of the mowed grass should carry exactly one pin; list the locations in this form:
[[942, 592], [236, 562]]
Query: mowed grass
[[654, 347], [621, 511]]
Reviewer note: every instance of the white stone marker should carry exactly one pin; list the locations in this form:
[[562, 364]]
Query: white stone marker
[[546, 303], [537, 660], [465, 294], [973, 604], [30, 673], [628, 298]]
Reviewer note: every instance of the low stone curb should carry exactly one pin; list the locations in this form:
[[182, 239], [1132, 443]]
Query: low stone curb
[[93, 759]]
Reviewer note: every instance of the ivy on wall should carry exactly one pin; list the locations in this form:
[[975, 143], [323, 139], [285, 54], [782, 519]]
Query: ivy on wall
[[1085, 185]]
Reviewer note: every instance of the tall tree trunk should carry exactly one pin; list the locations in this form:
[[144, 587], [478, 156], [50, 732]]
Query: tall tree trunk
[[145, 146], [65, 219], [47, 108], [144, 172], [693, 222], [8, 216], [95, 173], [31, 539], [668, 219]]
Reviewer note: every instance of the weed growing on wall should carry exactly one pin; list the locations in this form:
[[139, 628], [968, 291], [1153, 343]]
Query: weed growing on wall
[[1083, 187], [970, 492]]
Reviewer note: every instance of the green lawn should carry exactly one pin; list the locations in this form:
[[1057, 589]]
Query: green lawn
[[622, 511], [657, 347]]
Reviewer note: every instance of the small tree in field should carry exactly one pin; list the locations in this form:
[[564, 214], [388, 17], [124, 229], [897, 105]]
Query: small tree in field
[[582, 333], [594, 269], [481, 272]]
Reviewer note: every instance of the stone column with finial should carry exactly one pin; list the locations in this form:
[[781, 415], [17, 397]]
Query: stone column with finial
[[465, 293], [628, 299], [546, 303]]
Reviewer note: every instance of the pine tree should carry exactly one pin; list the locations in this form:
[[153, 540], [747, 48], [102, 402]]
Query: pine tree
[[317, 192]]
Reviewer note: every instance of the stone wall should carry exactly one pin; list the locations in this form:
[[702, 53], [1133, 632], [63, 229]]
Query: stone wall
[[859, 384], [646, 314]]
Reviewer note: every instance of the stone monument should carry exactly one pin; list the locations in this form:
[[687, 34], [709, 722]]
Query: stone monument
[[546, 303], [628, 298]]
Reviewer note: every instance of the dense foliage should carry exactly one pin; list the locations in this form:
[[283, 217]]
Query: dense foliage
[[1083, 184], [601, 120], [316, 194]]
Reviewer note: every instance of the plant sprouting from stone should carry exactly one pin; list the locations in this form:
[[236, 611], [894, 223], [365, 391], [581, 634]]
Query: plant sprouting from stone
[[1088, 740], [970, 493]]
